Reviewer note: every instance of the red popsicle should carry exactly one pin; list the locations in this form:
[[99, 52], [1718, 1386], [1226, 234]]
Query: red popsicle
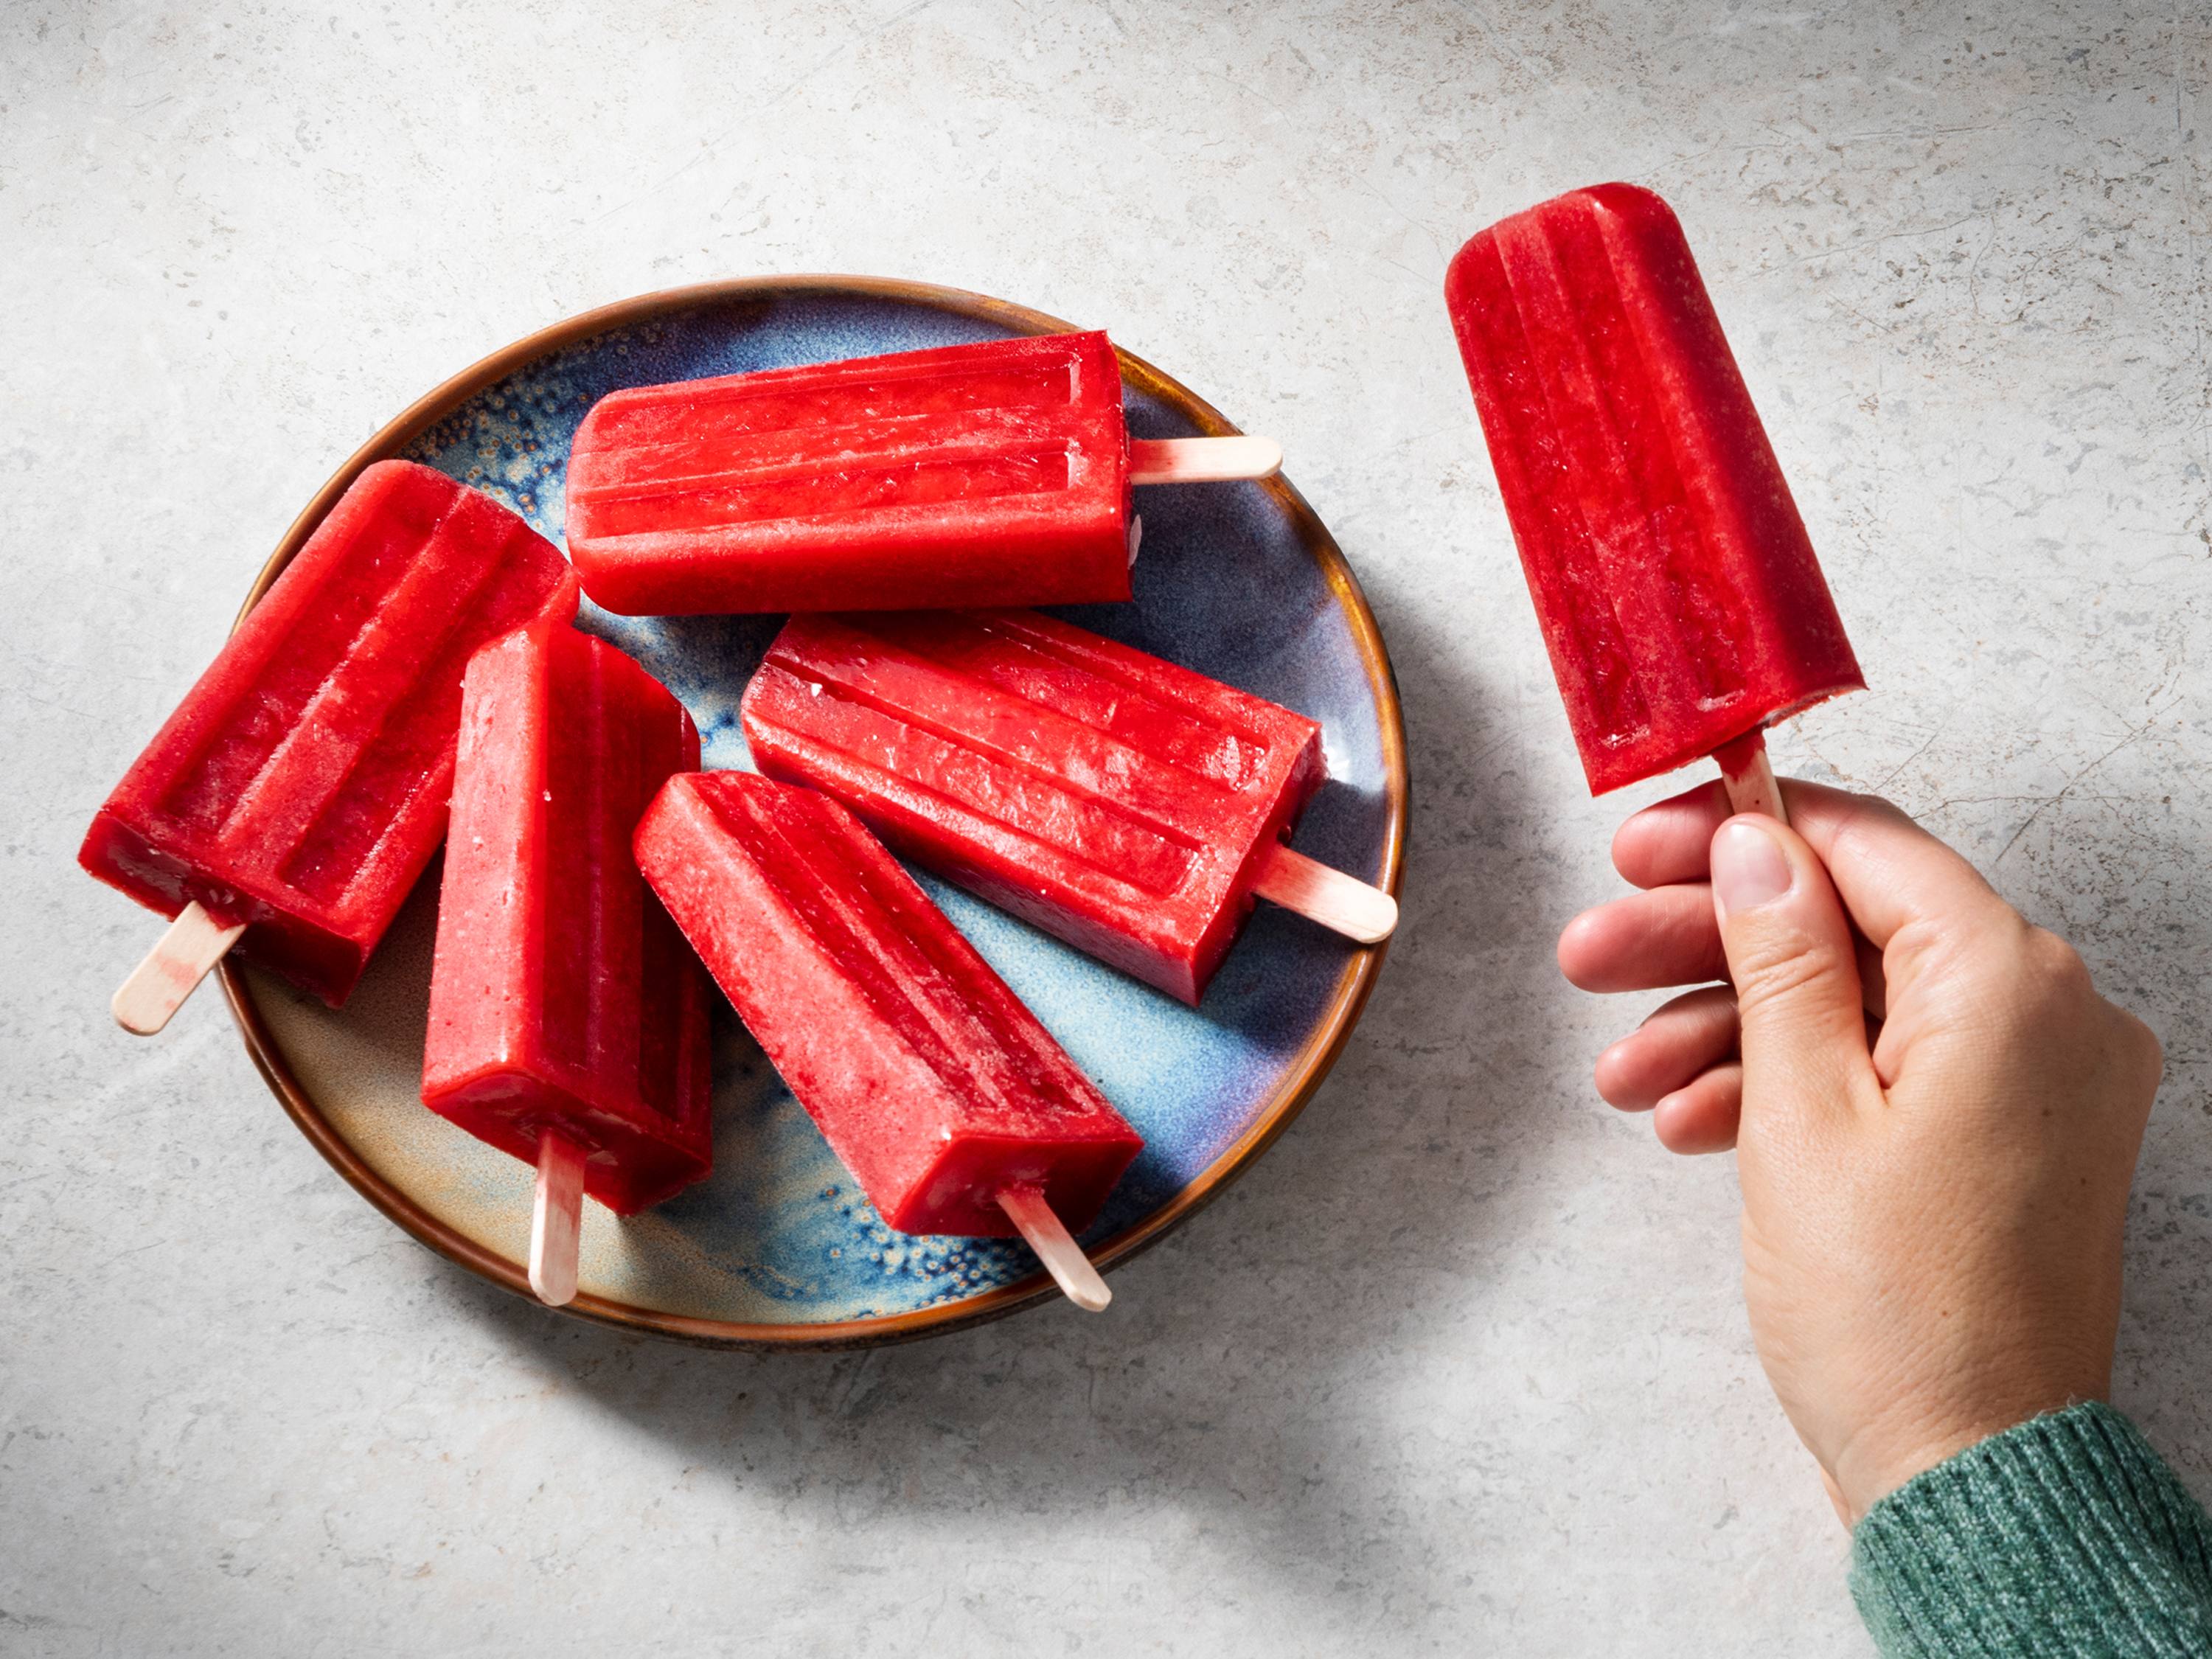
[[950, 1105], [1125, 804], [568, 1018], [300, 788], [1680, 596], [996, 473]]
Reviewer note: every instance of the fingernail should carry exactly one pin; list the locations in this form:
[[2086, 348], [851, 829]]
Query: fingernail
[[1748, 868]]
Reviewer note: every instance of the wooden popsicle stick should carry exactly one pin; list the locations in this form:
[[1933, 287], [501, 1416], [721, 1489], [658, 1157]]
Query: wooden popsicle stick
[[556, 1218], [1748, 777], [1343, 903], [1202, 460], [1062, 1256], [185, 956]]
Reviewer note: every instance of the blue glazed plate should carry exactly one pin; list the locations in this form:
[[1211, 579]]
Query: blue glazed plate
[[779, 1247]]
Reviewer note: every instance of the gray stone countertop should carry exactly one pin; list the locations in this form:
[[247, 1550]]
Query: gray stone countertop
[[1461, 1365]]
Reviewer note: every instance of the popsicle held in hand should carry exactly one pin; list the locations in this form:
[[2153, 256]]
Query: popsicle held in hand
[[953, 1107], [567, 1017], [1680, 596], [293, 797], [992, 474], [1131, 807]]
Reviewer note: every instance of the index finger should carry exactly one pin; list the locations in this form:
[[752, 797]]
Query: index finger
[[1887, 868], [1667, 843]]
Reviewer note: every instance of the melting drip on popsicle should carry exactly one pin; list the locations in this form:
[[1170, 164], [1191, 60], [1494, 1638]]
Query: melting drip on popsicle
[[953, 1107], [290, 802], [1125, 804], [1680, 596], [568, 1018], [992, 474]]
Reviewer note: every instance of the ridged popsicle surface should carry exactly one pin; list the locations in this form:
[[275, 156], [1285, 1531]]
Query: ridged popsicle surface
[[1680, 596], [1118, 801], [302, 785], [561, 996], [995, 473], [926, 1074]]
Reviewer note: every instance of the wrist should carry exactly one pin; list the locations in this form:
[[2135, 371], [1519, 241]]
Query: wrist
[[2064, 1534], [1888, 1456]]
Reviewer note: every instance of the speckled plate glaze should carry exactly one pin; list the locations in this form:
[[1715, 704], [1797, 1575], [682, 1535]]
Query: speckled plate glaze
[[780, 1248]]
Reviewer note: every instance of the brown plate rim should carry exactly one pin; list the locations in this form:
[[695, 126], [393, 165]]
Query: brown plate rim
[[1301, 1079]]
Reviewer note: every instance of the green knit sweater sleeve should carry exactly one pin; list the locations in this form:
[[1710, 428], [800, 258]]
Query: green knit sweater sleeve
[[2064, 1537]]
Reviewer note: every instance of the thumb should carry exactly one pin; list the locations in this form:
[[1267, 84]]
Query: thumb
[[1790, 954]]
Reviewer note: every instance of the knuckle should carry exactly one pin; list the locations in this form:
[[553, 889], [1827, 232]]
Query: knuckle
[[1765, 973], [2141, 1046], [1858, 817], [1864, 828], [1921, 948], [2050, 983], [2055, 963]]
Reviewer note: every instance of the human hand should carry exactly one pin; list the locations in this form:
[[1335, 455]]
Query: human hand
[[1937, 1117]]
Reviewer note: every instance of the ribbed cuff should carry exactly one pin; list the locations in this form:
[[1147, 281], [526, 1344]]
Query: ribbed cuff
[[2064, 1537]]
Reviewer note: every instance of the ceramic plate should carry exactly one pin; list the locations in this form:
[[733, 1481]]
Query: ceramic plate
[[779, 1247]]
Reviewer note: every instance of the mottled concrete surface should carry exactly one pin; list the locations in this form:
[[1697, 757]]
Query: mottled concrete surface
[[1461, 1364]]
